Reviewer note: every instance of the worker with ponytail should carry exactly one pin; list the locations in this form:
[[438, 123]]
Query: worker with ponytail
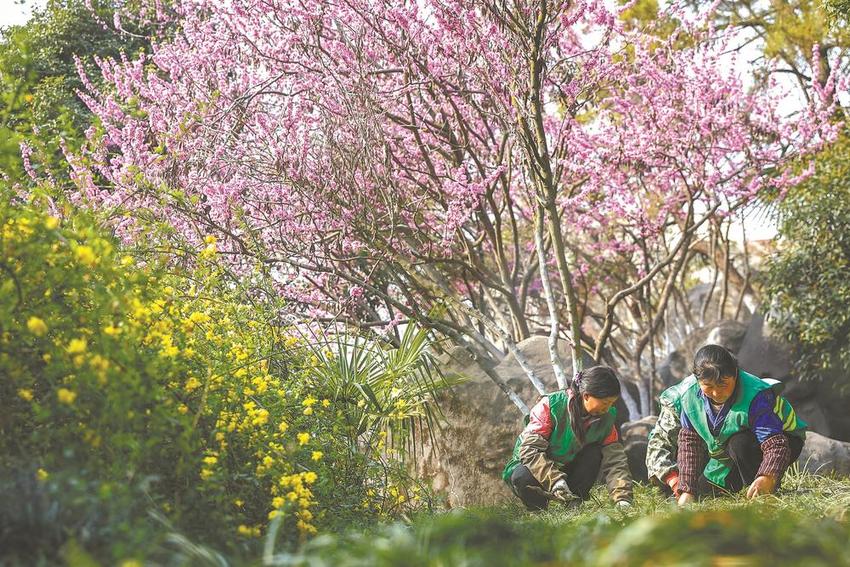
[[569, 436]]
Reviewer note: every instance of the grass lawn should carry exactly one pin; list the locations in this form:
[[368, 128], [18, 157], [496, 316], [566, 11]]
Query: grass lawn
[[805, 524]]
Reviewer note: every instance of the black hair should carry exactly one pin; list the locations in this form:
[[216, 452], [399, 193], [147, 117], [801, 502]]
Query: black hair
[[713, 362], [599, 382]]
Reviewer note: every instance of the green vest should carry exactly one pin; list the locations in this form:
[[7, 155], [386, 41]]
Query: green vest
[[737, 419], [563, 445]]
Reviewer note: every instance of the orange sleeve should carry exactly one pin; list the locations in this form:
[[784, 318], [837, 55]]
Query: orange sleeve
[[613, 437]]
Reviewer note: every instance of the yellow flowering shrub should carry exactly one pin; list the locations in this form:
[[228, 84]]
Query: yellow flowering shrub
[[128, 370]]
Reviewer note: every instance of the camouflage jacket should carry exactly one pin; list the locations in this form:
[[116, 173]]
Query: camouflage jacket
[[663, 442]]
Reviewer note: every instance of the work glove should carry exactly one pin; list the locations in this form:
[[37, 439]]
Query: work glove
[[560, 491], [623, 505]]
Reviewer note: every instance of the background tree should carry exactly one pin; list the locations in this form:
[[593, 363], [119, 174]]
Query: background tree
[[807, 281], [800, 283], [384, 168], [38, 105]]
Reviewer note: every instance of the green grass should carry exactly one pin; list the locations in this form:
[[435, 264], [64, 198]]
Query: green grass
[[805, 524]]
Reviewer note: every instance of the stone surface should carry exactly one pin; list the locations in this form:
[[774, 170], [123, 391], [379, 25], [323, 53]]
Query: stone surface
[[823, 455], [818, 402], [730, 334], [634, 435]]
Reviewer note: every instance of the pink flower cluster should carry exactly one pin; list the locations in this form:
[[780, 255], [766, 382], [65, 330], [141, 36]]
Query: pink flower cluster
[[344, 137]]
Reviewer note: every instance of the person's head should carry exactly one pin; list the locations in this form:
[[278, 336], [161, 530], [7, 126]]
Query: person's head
[[716, 371], [593, 391]]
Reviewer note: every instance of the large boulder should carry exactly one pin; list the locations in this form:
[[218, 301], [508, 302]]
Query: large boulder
[[634, 435], [823, 455], [677, 365], [819, 402]]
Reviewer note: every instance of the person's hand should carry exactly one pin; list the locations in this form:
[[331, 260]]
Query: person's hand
[[761, 485], [562, 492], [672, 480], [685, 498], [623, 505]]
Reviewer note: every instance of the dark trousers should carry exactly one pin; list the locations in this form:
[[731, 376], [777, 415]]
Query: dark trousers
[[581, 472], [745, 452]]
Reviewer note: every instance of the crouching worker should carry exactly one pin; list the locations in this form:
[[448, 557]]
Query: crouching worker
[[735, 421], [570, 435]]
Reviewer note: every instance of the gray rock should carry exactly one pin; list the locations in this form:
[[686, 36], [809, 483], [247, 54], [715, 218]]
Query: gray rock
[[677, 365], [823, 455], [638, 429], [763, 355], [634, 435]]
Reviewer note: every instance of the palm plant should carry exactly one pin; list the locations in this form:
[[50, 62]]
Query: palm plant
[[395, 389]]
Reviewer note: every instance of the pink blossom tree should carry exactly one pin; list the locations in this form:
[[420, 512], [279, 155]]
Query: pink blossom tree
[[489, 169]]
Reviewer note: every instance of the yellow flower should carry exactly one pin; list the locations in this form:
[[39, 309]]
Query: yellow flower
[[326, 403], [308, 411], [86, 256], [99, 363], [261, 417], [211, 460], [244, 530], [66, 396], [278, 502], [198, 317], [209, 251], [41, 474], [239, 503], [309, 401], [111, 330], [183, 409], [131, 563], [37, 326], [206, 473], [51, 222], [310, 477], [317, 455], [76, 346], [127, 261], [192, 384], [25, 394], [303, 438]]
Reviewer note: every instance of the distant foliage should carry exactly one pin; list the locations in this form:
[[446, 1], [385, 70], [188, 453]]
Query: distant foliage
[[807, 281], [39, 78]]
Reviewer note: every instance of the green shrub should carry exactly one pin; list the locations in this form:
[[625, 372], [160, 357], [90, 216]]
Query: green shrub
[[121, 374], [806, 282]]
